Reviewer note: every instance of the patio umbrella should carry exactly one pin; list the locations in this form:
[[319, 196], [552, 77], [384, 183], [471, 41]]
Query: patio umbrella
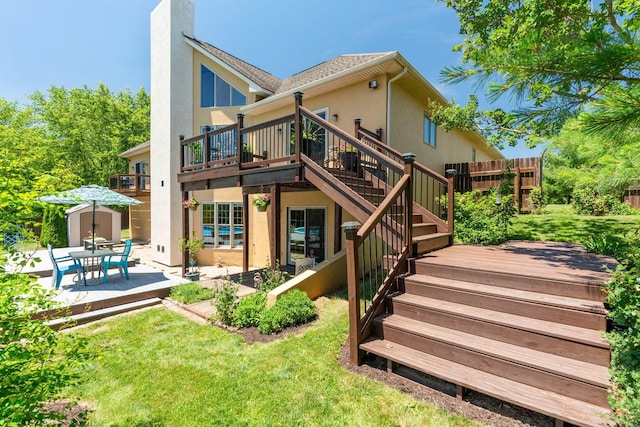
[[93, 194]]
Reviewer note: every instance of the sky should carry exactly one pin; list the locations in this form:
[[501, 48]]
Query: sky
[[73, 43]]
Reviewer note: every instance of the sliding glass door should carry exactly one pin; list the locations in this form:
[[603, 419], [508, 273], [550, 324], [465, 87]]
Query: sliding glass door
[[306, 234]]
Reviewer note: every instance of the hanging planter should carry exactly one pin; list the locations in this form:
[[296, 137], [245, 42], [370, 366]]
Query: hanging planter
[[261, 201], [191, 204]]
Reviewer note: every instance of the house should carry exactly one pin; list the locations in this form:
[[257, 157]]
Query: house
[[354, 171], [197, 87]]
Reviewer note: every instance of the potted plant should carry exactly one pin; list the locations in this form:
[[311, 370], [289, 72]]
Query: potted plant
[[247, 154], [192, 246], [261, 201], [191, 204], [349, 157], [312, 143]]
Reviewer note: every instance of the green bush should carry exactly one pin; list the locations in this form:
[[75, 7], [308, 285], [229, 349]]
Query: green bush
[[293, 308], [269, 278], [538, 199], [54, 228], [613, 246], [623, 296], [189, 293], [480, 220], [249, 310], [586, 200], [225, 301]]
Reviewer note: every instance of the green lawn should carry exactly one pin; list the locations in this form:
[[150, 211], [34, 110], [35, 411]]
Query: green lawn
[[559, 223], [157, 368]]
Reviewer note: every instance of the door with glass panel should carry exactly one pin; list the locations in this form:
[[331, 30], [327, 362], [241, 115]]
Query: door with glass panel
[[306, 234]]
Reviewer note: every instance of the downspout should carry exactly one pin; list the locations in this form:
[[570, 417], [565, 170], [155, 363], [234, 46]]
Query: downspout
[[388, 130]]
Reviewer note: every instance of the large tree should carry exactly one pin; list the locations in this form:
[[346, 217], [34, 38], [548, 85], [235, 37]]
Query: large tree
[[552, 58], [65, 138]]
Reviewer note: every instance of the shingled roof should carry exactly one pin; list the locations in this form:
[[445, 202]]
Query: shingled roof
[[328, 68], [275, 85]]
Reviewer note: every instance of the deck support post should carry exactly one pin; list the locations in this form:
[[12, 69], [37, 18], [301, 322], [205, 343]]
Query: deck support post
[[185, 232], [408, 201], [337, 234], [297, 122], [451, 191], [275, 225], [245, 232], [460, 392], [353, 290], [559, 423], [239, 143]]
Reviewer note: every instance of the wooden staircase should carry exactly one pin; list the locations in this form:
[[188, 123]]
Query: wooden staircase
[[519, 323], [425, 234]]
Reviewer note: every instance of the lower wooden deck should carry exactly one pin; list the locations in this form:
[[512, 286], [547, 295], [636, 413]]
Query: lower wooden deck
[[521, 322]]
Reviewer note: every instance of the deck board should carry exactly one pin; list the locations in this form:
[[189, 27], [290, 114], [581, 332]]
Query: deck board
[[543, 401], [559, 261]]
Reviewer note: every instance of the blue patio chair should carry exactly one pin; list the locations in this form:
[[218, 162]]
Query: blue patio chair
[[60, 270], [119, 260]]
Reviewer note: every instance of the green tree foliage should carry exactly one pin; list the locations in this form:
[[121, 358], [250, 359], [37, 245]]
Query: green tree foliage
[[86, 129], [552, 58], [36, 363], [66, 138], [480, 220], [577, 159], [54, 227]]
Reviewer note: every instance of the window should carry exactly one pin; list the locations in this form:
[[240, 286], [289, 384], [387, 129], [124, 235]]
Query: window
[[222, 225], [473, 154], [216, 92], [429, 132]]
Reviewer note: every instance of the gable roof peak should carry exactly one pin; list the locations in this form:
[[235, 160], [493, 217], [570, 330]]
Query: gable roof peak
[[264, 79]]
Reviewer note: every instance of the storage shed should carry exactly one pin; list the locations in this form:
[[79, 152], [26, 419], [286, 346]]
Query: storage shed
[[108, 223]]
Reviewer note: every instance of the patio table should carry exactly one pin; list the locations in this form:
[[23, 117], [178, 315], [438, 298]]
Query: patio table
[[91, 260]]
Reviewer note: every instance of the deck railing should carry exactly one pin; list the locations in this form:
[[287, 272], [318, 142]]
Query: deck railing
[[430, 189], [130, 183], [214, 148], [268, 143]]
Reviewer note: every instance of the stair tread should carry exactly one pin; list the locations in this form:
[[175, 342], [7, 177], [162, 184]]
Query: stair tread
[[430, 236], [103, 312], [512, 293], [561, 366], [543, 327], [542, 401], [495, 260]]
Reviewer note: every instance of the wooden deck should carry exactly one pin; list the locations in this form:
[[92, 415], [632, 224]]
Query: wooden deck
[[521, 322]]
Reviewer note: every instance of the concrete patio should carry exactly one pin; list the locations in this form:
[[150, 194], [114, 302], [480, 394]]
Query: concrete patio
[[147, 280]]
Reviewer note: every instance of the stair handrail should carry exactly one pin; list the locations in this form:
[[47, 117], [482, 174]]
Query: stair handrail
[[421, 175], [360, 323]]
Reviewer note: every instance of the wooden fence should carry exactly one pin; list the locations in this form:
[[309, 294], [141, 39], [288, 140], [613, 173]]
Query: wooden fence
[[485, 175], [632, 196]]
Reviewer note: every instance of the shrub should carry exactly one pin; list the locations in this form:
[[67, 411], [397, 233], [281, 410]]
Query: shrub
[[613, 246], [623, 296], [480, 220], [54, 228], [189, 293], [269, 279], [225, 301], [587, 201], [293, 308], [249, 310], [538, 199]]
